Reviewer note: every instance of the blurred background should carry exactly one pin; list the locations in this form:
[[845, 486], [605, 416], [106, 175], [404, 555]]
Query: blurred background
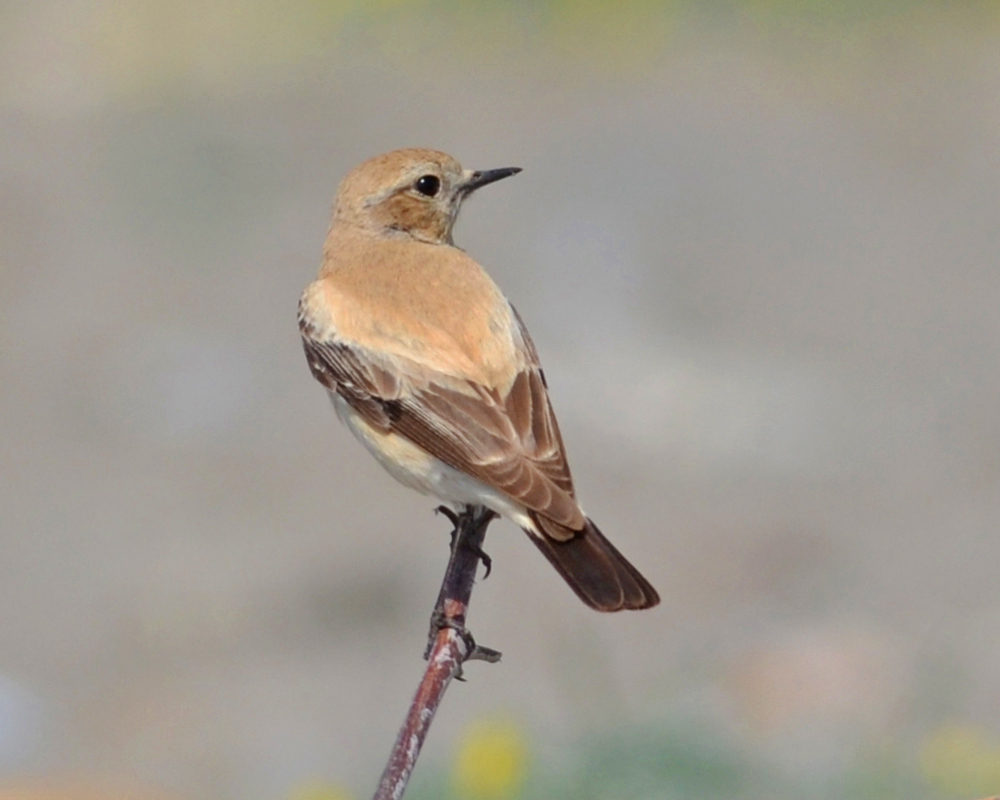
[[757, 245]]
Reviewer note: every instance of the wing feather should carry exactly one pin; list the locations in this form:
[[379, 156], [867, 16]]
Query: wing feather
[[510, 442]]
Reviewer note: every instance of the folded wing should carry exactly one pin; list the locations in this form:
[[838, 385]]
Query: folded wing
[[508, 439]]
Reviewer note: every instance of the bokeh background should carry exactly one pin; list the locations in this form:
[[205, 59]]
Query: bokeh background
[[757, 244]]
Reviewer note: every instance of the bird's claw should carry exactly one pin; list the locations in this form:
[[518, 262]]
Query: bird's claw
[[473, 651], [487, 561], [449, 513], [456, 520]]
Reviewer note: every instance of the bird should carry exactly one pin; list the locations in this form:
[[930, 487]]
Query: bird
[[433, 371]]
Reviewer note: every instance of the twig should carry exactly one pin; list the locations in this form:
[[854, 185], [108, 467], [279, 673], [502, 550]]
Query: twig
[[449, 646]]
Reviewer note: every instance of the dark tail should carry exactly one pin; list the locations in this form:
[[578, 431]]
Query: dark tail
[[596, 571]]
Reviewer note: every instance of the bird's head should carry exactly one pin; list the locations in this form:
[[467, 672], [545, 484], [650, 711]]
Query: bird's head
[[415, 192]]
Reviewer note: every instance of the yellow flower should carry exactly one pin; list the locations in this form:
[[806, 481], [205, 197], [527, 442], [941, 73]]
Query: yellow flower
[[491, 760], [962, 761]]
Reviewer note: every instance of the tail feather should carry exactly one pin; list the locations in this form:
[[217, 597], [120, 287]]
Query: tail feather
[[592, 566]]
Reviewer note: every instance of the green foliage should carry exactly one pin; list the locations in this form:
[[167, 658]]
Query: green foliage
[[675, 762], [633, 764], [651, 763]]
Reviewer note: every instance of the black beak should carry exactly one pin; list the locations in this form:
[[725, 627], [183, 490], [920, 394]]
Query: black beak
[[481, 178]]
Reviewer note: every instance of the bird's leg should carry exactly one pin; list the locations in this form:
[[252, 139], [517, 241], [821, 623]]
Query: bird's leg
[[453, 599], [456, 520]]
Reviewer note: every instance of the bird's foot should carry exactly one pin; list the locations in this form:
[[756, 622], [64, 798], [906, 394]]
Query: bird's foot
[[451, 514], [487, 561], [457, 521], [474, 651]]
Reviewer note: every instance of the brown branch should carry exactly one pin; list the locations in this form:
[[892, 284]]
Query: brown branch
[[449, 646]]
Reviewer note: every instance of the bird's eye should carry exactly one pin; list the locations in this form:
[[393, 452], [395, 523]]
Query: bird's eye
[[428, 185]]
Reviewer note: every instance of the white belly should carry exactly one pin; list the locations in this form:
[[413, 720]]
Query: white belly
[[416, 468]]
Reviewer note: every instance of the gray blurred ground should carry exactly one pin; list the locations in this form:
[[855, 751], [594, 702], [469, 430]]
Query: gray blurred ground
[[762, 272]]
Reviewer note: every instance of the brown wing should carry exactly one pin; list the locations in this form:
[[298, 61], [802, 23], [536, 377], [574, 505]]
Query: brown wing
[[509, 442]]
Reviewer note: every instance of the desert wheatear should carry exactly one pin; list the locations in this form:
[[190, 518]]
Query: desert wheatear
[[431, 367]]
